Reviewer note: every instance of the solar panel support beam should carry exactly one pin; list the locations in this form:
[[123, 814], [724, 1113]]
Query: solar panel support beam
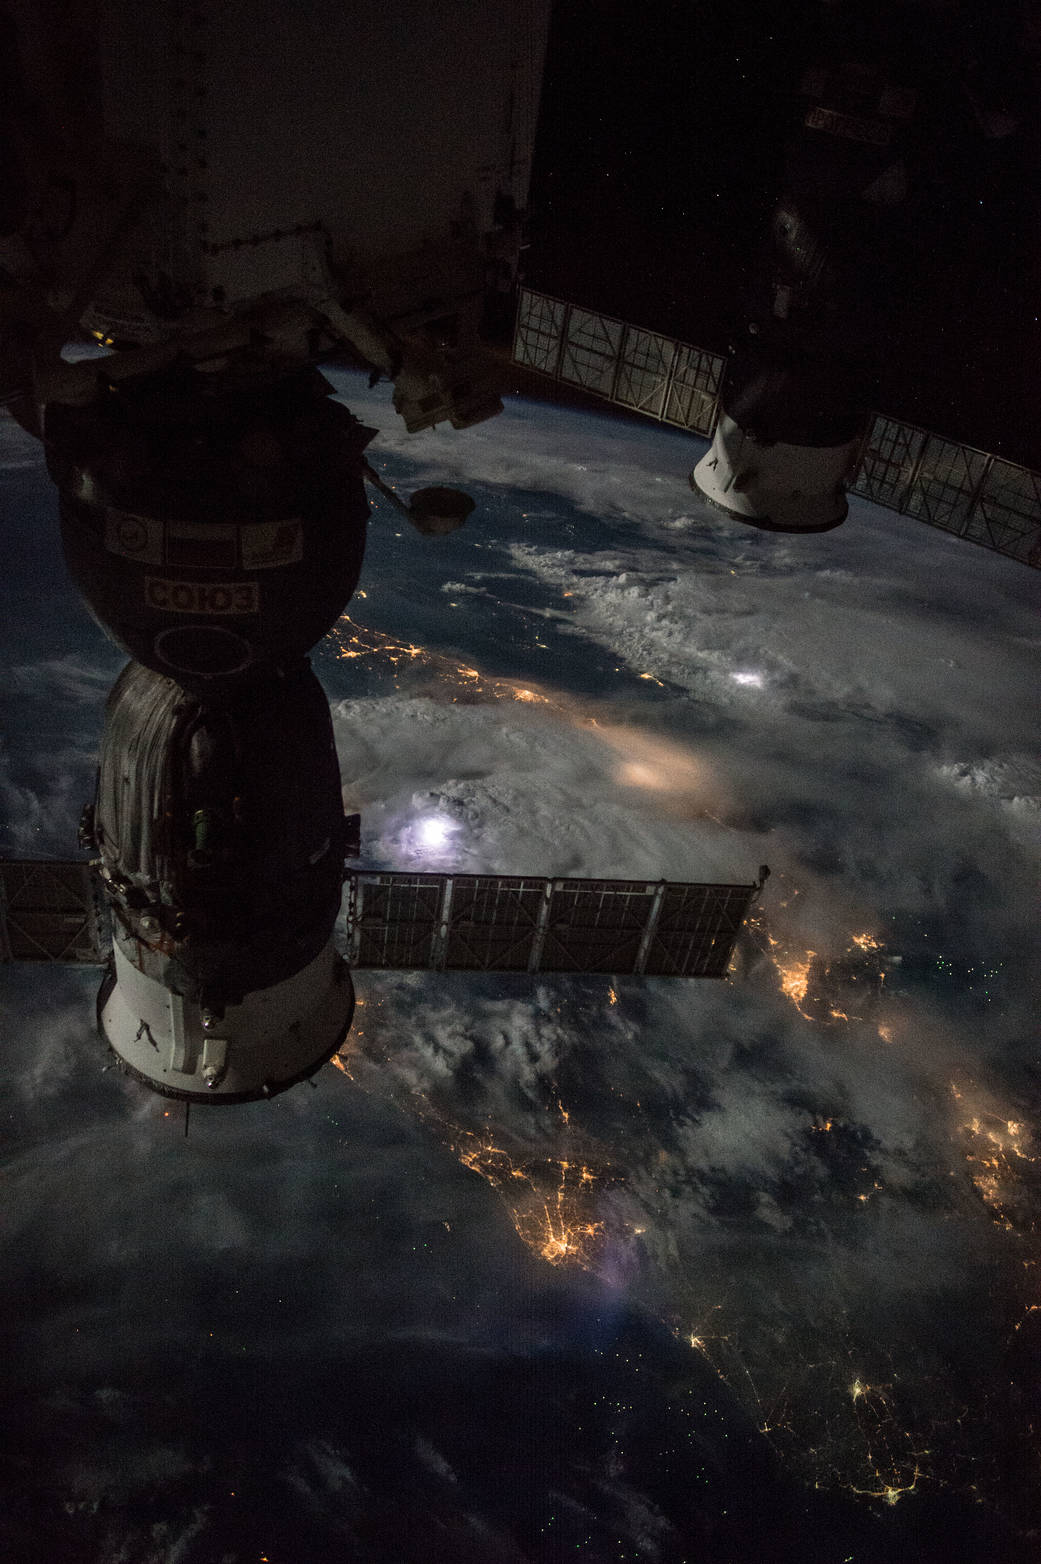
[[535, 957], [619, 362], [6, 953], [640, 964], [354, 894], [565, 328], [439, 943], [975, 497], [916, 469], [670, 377]]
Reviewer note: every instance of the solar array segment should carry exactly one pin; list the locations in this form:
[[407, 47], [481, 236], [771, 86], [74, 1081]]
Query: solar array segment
[[50, 910], [508, 923]]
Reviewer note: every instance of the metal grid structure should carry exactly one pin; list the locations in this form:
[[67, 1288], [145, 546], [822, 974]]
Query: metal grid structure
[[589, 351], [504, 923], [692, 395], [540, 345], [641, 370], [946, 484], [49, 911], [953, 487]]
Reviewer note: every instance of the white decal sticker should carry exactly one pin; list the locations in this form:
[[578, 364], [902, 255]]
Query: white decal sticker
[[266, 544], [134, 537]]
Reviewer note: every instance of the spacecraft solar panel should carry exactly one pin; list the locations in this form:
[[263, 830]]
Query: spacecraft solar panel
[[509, 923], [642, 370], [397, 920], [493, 923], [596, 925], [696, 930], [48, 912]]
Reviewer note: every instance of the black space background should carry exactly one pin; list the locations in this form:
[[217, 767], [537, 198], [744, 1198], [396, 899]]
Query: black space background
[[660, 145]]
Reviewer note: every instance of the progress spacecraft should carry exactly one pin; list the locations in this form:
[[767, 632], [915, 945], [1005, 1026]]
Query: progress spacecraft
[[801, 381]]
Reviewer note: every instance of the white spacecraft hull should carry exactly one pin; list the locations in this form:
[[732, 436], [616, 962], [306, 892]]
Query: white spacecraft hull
[[777, 486], [274, 1038]]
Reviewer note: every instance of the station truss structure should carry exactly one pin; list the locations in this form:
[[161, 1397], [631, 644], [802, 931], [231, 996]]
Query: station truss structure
[[53, 911], [960, 490]]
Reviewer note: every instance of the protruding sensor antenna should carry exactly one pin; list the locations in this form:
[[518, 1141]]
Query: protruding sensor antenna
[[433, 512]]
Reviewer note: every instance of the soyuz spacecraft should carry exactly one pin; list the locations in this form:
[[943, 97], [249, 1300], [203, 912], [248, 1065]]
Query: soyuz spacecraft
[[224, 202]]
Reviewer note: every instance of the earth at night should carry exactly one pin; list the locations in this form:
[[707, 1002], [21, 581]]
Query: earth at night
[[546, 1269]]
